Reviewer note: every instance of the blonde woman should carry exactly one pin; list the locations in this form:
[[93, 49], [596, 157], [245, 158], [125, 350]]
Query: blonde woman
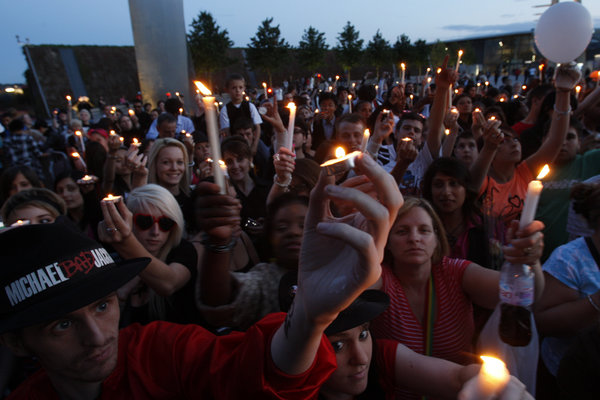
[[151, 225]]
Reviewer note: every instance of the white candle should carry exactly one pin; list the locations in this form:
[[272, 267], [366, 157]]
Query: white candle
[[349, 104], [80, 136], [265, 90], [541, 68], [410, 101], [342, 162], [213, 134], [534, 189], [492, 378], [365, 140], [403, 66], [290, 130], [460, 53], [112, 199]]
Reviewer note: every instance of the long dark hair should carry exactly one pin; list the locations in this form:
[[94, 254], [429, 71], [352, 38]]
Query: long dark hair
[[457, 170]]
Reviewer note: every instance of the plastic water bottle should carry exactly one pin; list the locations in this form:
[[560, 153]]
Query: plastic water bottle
[[516, 296]]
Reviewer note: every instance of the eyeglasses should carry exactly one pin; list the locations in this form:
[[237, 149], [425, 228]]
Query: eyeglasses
[[146, 221]]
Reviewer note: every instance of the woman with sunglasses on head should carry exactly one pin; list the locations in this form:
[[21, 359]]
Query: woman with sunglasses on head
[[151, 225]]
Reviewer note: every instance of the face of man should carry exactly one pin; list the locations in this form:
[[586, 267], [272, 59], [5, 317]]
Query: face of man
[[351, 135], [167, 129], [81, 347], [411, 128]]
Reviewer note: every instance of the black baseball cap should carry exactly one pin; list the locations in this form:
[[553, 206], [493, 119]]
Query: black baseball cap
[[50, 270]]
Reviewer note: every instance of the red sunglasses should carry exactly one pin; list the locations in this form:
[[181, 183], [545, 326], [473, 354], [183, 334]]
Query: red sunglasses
[[145, 222]]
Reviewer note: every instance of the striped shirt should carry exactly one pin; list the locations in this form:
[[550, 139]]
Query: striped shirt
[[453, 328]]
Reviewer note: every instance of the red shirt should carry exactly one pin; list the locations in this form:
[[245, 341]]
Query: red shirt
[[169, 361], [520, 127], [453, 327]]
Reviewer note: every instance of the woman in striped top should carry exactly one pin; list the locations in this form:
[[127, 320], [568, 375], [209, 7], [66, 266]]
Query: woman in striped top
[[431, 309]]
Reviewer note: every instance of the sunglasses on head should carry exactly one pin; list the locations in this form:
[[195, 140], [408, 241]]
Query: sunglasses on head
[[145, 222]]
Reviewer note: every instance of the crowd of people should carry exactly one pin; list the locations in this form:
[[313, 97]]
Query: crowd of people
[[129, 272]]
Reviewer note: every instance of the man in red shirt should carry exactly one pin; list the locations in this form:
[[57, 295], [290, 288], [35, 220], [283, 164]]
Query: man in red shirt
[[59, 305]]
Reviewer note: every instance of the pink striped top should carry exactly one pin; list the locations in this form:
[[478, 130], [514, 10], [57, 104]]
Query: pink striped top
[[453, 327]]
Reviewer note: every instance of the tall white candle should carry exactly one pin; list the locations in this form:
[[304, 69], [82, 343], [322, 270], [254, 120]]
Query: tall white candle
[[403, 66], [534, 189], [365, 141], [349, 104], [213, 135], [265, 90], [80, 137], [290, 132], [460, 53]]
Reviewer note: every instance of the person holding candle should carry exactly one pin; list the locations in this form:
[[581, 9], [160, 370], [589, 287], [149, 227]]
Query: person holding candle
[[375, 369], [124, 169], [151, 225], [432, 295], [499, 174], [324, 124]]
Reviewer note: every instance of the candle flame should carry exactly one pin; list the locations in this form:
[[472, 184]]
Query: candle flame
[[177, 94], [524, 87], [411, 96], [337, 77], [135, 141], [545, 171], [131, 112], [291, 105], [447, 132], [487, 83], [429, 80], [113, 133], [493, 118], [203, 89], [406, 139], [516, 96], [501, 99], [455, 91], [264, 84], [110, 197], [439, 70], [454, 110], [460, 53], [86, 178], [477, 110], [209, 160], [577, 89], [494, 367], [68, 98], [403, 66], [75, 154], [478, 84], [121, 138], [428, 69], [340, 152], [541, 67], [349, 97], [180, 110]]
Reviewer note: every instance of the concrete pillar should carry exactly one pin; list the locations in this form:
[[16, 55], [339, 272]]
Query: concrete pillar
[[160, 48]]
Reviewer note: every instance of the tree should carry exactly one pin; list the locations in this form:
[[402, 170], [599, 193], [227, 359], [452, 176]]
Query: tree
[[403, 49], [267, 50], [312, 49], [420, 54], [437, 52], [208, 45], [378, 52], [349, 49]]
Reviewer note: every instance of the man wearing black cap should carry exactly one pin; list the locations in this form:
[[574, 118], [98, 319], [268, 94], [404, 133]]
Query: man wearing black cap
[[57, 304]]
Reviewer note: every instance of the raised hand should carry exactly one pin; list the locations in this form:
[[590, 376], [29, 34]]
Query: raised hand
[[566, 76]]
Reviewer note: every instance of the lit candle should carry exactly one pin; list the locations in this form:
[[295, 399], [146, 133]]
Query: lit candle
[[349, 104], [69, 105], [365, 140], [460, 53], [492, 118], [213, 134], [491, 380], [121, 138], [541, 68], [410, 101], [330, 88], [223, 168], [406, 139], [577, 90], [447, 132], [87, 179], [437, 71], [337, 78], [131, 112], [342, 163], [534, 189], [427, 73], [21, 222], [487, 83], [290, 130], [76, 156], [113, 110], [264, 89], [353, 85], [403, 66], [80, 136], [523, 88], [112, 199], [454, 110], [135, 142], [113, 133]]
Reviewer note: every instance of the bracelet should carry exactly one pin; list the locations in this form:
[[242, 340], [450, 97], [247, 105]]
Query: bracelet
[[214, 248], [282, 185], [561, 113], [589, 297], [190, 165]]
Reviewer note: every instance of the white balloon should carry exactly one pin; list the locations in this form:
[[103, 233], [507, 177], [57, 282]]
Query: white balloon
[[564, 31]]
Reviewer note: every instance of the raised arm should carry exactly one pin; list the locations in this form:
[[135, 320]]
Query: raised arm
[[492, 137], [337, 262], [216, 215], [588, 102], [108, 179], [443, 80], [565, 79], [284, 168], [164, 279], [451, 124]]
